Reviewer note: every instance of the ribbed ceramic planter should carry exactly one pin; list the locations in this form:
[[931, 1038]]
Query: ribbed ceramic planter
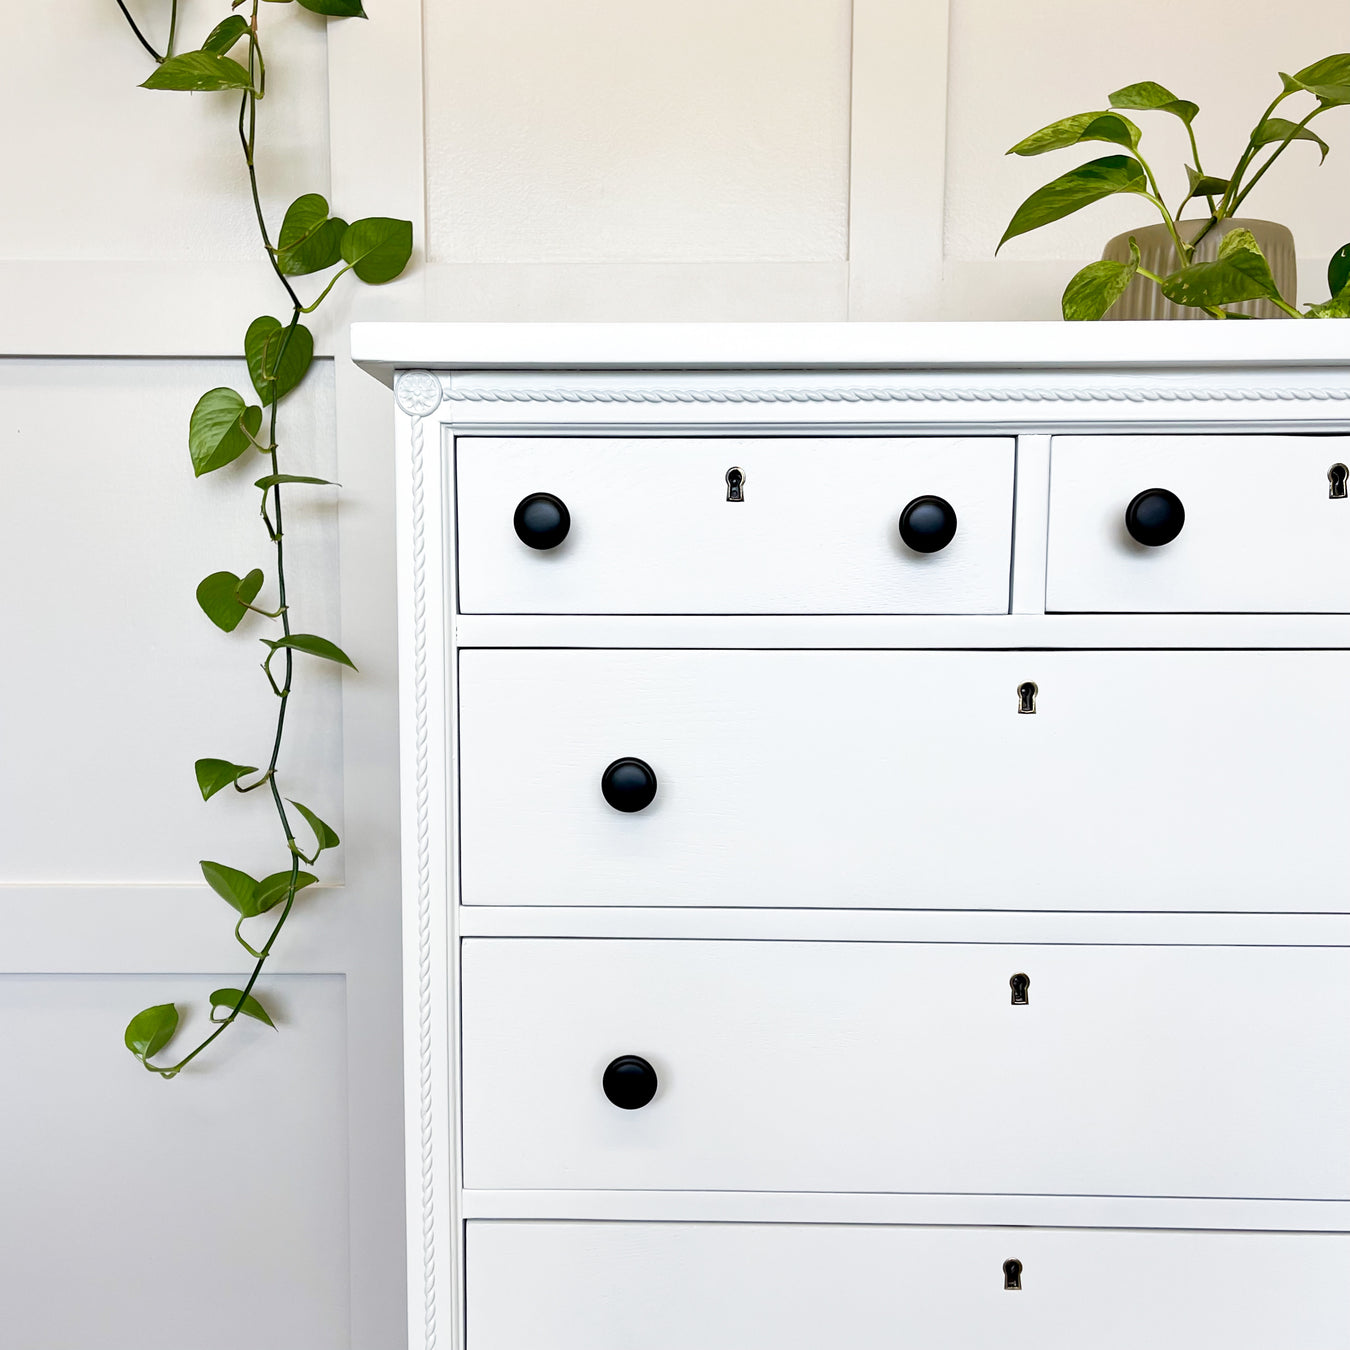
[[1144, 300]]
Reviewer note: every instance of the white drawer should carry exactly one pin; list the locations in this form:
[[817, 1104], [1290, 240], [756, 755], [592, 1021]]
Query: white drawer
[[836, 1066], [702, 1286], [908, 780], [651, 529], [1260, 533]]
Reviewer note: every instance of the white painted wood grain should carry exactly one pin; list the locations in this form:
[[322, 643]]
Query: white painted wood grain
[[1145, 781], [652, 530], [1262, 532], [606, 132], [878, 1067], [724, 1287]]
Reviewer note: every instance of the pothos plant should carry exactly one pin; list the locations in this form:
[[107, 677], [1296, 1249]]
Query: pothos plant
[[224, 426], [1240, 272]]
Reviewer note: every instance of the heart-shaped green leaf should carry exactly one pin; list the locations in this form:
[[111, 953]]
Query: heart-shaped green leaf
[[1089, 126], [1338, 270], [236, 888], [1098, 286], [272, 889], [1203, 185], [310, 238], [277, 355], [336, 9], [1074, 190], [1239, 273], [229, 1000], [225, 34], [215, 774], [325, 836], [272, 479], [220, 429], [151, 1030], [1149, 96], [225, 598], [199, 72], [314, 646], [1275, 129], [1327, 80], [378, 248]]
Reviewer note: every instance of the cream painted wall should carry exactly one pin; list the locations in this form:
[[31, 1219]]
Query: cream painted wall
[[720, 159]]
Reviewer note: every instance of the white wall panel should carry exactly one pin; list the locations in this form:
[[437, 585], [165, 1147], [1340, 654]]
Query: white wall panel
[[111, 171], [205, 1213], [114, 681], [600, 130], [1014, 68]]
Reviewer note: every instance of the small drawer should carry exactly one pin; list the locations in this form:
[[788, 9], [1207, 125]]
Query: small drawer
[[1140, 780], [1123, 1070], [724, 1286], [1199, 524], [623, 525]]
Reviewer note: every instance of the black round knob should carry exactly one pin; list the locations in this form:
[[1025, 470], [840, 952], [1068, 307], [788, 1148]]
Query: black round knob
[[542, 520], [1155, 517], [928, 524], [629, 1082], [628, 784]]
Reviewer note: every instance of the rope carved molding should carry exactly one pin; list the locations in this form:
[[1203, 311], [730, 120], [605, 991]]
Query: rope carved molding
[[226, 426]]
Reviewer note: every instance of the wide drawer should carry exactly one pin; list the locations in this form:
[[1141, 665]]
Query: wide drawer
[[1261, 530], [703, 1286], [907, 1067], [651, 529], [1144, 780]]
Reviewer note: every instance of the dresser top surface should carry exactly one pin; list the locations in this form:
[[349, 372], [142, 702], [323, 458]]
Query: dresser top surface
[[382, 348]]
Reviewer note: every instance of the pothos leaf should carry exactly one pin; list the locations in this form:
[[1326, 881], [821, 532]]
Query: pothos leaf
[[236, 888], [1088, 126], [227, 1000], [272, 889], [313, 646], [1276, 129], [151, 1030], [272, 479], [1150, 96], [1328, 80], [1099, 285], [276, 363], [1239, 273], [224, 598], [1338, 270], [213, 775], [310, 239], [219, 430], [1074, 190], [325, 836], [377, 248], [225, 34], [199, 72], [336, 9], [1338, 307], [1203, 185]]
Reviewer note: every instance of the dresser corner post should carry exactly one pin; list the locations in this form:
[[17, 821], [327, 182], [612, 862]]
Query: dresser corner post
[[425, 675]]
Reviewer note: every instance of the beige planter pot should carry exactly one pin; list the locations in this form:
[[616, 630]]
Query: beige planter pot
[[1144, 300]]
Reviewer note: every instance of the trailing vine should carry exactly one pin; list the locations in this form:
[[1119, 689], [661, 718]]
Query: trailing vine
[[223, 427]]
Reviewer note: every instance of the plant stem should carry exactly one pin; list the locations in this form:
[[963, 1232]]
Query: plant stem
[[140, 37], [1279, 150], [173, 28], [1199, 168]]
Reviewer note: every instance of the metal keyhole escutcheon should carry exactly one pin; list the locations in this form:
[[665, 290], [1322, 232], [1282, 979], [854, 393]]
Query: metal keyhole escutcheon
[[1021, 989], [1337, 476], [1026, 696], [1012, 1274], [735, 484]]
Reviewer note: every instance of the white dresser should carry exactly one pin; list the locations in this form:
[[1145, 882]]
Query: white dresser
[[875, 816]]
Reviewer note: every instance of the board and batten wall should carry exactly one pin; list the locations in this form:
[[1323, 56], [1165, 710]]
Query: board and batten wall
[[598, 159]]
